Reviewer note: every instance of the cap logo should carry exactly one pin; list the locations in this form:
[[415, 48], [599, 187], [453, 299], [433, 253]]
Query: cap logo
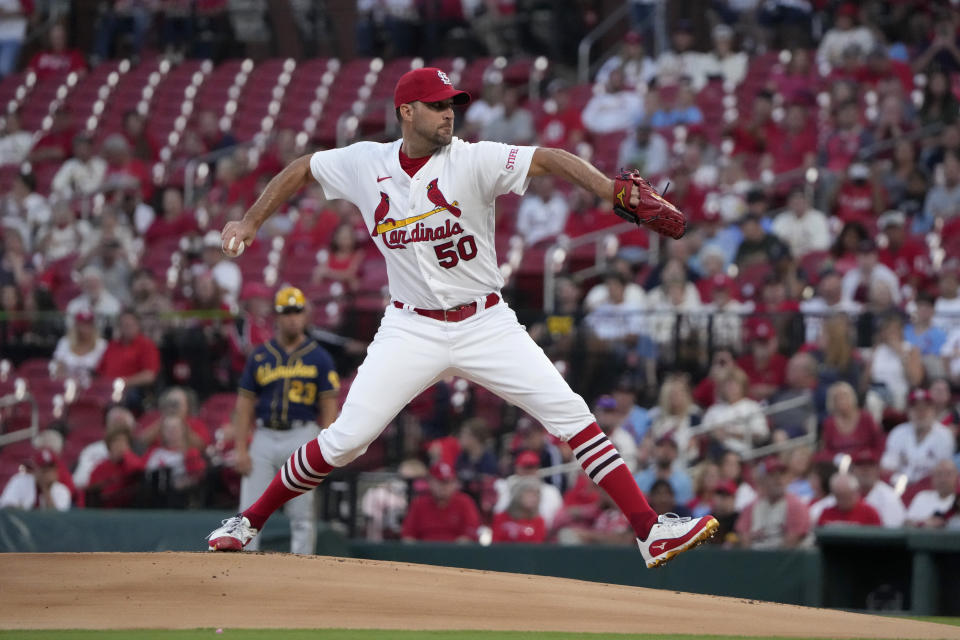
[[443, 78]]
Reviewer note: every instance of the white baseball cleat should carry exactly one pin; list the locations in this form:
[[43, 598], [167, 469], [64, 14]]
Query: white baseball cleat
[[233, 535], [672, 535]]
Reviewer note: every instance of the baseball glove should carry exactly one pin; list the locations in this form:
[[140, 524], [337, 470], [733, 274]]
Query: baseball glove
[[652, 211]]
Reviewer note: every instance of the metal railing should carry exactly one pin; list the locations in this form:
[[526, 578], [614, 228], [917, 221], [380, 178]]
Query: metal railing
[[21, 395]]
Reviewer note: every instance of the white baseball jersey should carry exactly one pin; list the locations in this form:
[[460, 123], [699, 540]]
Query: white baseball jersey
[[436, 229]]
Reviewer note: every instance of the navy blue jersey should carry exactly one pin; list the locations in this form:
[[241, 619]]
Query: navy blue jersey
[[288, 387]]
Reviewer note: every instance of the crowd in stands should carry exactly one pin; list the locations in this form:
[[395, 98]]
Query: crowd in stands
[[812, 309]]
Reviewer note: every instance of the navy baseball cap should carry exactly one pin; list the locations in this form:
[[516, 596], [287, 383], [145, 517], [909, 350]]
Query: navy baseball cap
[[427, 84]]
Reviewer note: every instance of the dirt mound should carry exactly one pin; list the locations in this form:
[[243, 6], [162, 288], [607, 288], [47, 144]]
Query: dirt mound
[[189, 590]]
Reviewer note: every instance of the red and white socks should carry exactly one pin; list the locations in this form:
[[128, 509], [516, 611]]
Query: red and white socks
[[302, 472], [602, 463]]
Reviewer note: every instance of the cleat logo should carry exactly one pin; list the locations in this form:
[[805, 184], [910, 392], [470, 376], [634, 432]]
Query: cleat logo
[[661, 544]]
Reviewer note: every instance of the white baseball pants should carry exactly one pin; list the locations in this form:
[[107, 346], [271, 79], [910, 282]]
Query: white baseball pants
[[411, 352], [269, 451]]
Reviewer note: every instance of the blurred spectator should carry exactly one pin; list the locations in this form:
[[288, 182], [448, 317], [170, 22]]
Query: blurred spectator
[[801, 227], [30, 213], [849, 507], [496, 26], [666, 468], [560, 124], [520, 521], [705, 484], [596, 523], [921, 332], [723, 62], [443, 514], [944, 407], [543, 212], [15, 143], [683, 110], [38, 487], [316, 222], [95, 298], [174, 455], [895, 364], [58, 58], [777, 519], [175, 221], [633, 293], [645, 150], [213, 137], [836, 355], [225, 273], [828, 301], [947, 306], [175, 403], [83, 174], [858, 282], [476, 466], [115, 481], [797, 77], [943, 200], [848, 429], [752, 137], [79, 352], [736, 423], [527, 465], [149, 303], [663, 499], [637, 67], [843, 253], [877, 493], [13, 28], [255, 323], [344, 259], [483, 109], [109, 256], [142, 145], [942, 51], [800, 389], [681, 59], [721, 362], [933, 507], [122, 17], [610, 420], [56, 144], [635, 419], [845, 139], [845, 32], [617, 325], [764, 365], [905, 255], [686, 195], [617, 108], [860, 197], [674, 416], [115, 418], [914, 448], [65, 235], [514, 125], [893, 123], [758, 246], [940, 105], [124, 172], [732, 471], [794, 142], [896, 176], [132, 357]]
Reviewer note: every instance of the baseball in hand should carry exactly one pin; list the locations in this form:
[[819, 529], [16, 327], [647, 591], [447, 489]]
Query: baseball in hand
[[235, 247]]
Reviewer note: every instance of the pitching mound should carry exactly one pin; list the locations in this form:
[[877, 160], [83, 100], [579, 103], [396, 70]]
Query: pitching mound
[[190, 590]]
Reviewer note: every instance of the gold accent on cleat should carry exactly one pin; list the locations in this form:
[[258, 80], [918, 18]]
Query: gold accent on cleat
[[705, 534]]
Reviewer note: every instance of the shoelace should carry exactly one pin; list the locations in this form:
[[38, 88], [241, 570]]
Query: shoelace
[[234, 523], [671, 519]]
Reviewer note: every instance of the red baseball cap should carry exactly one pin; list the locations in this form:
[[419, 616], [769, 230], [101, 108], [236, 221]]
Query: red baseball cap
[[427, 84], [44, 458], [919, 395], [443, 472], [83, 315], [865, 456], [760, 329], [528, 459]]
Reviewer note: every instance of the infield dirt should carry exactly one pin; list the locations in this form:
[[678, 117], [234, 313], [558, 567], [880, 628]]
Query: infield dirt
[[191, 590]]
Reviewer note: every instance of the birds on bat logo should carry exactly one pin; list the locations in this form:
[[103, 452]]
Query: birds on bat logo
[[398, 236]]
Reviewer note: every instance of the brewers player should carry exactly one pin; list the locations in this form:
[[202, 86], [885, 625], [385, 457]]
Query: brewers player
[[289, 391], [428, 202]]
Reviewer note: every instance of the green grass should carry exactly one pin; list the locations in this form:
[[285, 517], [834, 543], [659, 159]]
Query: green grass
[[940, 619], [342, 634]]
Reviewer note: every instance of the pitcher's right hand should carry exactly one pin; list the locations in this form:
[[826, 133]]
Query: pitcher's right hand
[[237, 236]]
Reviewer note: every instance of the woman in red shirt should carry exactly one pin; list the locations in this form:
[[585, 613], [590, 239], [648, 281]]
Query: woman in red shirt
[[521, 522], [848, 428], [342, 263]]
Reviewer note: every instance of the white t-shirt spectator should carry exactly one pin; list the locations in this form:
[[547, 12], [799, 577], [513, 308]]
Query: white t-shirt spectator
[[77, 177], [743, 422], [13, 27], [835, 41], [21, 493], [550, 498], [732, 68], [14, 147], [538, 219], [816, 309], [64, 241], [886, 368], [810, 232], [854, 278], [480, 112], [611, 321], [105, 309], [917, 458], [671, 67], [516, 128], [633, 295], [74, 365], [946, 313], [881, 497], [91, 455], [951, 351], [663, 320], [610, 112], [928, 503], [636, 73], [229, 278]]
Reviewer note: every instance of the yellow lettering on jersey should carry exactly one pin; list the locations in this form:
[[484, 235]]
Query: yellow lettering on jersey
[[334, 380], [267, 373], [390, 225]]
